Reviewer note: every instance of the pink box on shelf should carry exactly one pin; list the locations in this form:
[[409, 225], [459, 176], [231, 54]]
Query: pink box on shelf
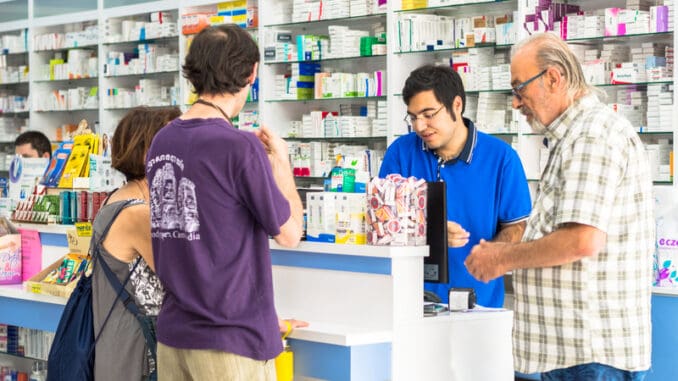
[[612, 25]]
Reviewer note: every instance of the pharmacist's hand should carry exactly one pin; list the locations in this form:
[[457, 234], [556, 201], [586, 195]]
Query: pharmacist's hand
[[456, 235], [484, 262], [275, 146], [286, 325]]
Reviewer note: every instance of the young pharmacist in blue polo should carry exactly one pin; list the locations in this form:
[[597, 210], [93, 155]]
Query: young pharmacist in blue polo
[[487, 193]]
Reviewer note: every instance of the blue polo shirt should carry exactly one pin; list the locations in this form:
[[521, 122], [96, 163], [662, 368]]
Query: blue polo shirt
[[486, 187]]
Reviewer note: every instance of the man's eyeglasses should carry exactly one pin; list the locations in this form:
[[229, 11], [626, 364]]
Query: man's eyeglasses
[[518, 88], [410, 119]]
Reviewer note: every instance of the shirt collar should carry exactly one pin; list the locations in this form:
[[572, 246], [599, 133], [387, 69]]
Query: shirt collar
[[466, 153], [558, 128]]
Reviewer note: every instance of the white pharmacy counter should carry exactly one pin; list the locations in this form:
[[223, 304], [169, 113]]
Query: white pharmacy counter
[[365, 309]]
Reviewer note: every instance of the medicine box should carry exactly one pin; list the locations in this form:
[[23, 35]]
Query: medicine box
[[350, 221], [320, 216]]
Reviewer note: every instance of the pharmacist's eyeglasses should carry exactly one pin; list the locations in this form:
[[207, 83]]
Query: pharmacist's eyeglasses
[[516, 90], [411, 119]]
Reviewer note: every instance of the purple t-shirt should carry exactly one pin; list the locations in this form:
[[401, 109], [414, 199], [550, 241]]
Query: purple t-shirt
[[214, 203]]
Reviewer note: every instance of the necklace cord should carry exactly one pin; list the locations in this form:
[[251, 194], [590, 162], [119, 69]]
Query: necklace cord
[[207, 103]]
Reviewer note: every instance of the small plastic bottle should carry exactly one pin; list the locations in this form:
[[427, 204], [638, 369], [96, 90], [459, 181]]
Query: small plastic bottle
[[36, 372]]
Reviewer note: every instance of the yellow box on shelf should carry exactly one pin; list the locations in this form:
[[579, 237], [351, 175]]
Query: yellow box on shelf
[[52, 64], [414, 4], [59, 278]]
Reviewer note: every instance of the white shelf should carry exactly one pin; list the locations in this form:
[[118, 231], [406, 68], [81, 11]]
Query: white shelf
[[361, 250], [17, 291], [44, 228], [13, 25], [339, 334], [665, 291], [474, 315]]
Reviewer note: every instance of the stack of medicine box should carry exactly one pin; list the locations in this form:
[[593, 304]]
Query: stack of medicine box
[[231, 12], [311, 47], [344, 42], [303, 78], [659, 107], [336, 217], [334, 9], [305, 10], [278, 46]]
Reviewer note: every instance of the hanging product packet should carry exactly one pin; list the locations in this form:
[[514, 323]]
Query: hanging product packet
[[10, 253], [666, 248]]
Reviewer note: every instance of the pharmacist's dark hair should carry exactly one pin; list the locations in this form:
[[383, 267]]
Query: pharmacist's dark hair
[[443, 80], [134, 135], [37, 140], [220, 60]]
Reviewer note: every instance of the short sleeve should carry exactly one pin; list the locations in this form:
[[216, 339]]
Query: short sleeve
[[260, 192], [514, 197], [391, 162]]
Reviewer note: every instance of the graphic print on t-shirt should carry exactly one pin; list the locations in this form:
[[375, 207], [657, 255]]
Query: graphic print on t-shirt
[[175, 207]]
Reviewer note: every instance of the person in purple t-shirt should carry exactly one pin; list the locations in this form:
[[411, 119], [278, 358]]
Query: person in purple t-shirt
[[217, 194]]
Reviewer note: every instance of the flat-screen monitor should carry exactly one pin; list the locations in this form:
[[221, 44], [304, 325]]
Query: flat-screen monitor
[[435, 265]]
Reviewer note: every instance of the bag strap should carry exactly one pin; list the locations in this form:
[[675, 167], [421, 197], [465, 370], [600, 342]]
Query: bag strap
[[127, 299], [129, 303], [122, 294], [95, 258]]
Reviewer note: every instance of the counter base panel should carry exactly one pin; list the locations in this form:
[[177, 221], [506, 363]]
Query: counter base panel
[[330, 362]]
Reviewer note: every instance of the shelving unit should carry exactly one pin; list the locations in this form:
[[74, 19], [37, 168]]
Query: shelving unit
[[14, 88], [395, 62], [140, 63], [41, 16]]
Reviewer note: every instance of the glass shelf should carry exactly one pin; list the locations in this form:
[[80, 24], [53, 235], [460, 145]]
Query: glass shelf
[[142, 74], [323, 59], [20, 356], [604, 85], [13, 83], [501, 133], [89, 46], [156, 39], [480, 4], [335, 139], [12, 53], [66, 80], [653, 183], [326, 99], [634, 84], [626, 36], [501, 46], [641, 133], [248, 104], [131, 107], [251, 29], [13, 113], [73, 110], [488, 91], [339, 19], [310, 178]]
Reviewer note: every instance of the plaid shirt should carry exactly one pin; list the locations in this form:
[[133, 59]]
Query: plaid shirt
[[596, 309]]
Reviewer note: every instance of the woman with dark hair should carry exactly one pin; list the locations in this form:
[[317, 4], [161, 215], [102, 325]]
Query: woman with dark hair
[[121, 352]]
